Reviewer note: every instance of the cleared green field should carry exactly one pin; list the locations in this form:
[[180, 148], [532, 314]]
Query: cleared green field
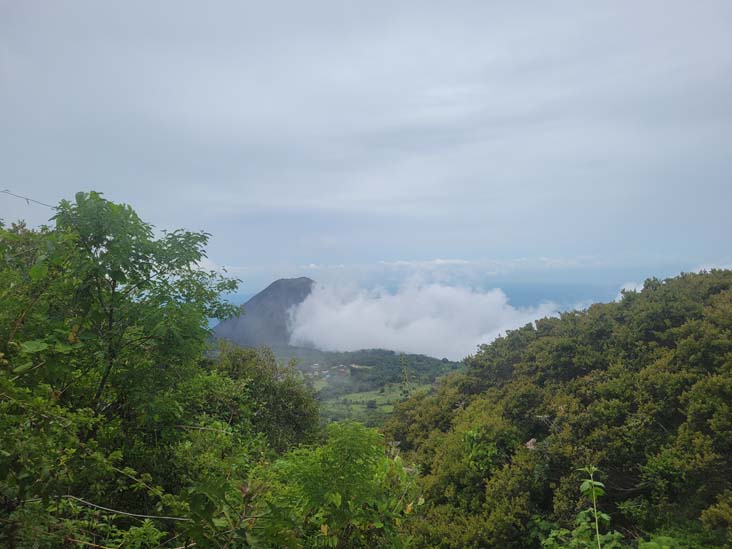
[[319, 384], [369, 407]]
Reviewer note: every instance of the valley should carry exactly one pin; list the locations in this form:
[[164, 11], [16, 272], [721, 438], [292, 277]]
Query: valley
[[362, 385]]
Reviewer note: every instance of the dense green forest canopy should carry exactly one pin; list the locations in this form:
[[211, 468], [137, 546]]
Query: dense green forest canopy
[[609, 427], [641, 388], [118, 430]]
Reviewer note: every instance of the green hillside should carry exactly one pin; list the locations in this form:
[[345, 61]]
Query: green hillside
[[364, 385], [641, 389], [344, 381]]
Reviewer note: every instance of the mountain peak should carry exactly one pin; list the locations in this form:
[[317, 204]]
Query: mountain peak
[[301, 281], [265, 316]]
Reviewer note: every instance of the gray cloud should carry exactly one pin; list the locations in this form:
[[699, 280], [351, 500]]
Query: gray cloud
[[332, 133]]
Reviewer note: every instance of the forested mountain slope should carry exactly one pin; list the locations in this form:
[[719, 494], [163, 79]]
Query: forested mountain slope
[[641, 388]]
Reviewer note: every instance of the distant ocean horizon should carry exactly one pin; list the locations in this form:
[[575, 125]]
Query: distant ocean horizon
[[566, 295]]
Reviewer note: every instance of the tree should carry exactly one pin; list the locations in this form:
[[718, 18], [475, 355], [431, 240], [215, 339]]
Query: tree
[[350, 492], [98, 318], [134, 292]]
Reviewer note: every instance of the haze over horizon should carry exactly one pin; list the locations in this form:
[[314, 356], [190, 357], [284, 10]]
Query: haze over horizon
[[474, 145]]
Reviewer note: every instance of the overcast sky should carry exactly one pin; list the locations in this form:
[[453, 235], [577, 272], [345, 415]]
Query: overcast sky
[[334, 139]]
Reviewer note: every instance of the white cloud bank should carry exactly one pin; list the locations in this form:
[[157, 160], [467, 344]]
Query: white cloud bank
[[433, 319], [629, 287]]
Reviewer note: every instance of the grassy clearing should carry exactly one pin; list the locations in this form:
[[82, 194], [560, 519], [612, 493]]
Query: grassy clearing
[[319, 384], [368, 407]]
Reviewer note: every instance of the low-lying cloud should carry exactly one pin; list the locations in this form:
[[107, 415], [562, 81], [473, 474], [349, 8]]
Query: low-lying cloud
[[629, 287], [433, 319]]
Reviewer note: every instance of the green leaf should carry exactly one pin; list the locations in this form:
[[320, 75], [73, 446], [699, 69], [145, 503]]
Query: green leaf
[[23, 368], [33, 346], [38, 271], [63, 348]]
